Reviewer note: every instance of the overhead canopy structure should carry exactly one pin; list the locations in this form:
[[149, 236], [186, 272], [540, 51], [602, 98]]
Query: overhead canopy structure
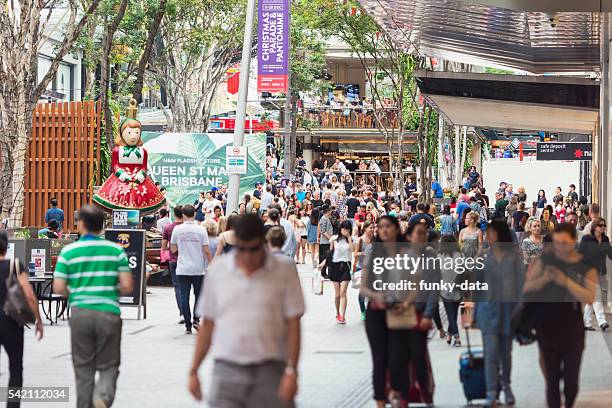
[[558, 104], [550, 5], [490, 35]]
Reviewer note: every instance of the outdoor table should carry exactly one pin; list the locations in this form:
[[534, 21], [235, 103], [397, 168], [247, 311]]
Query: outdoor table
[[40, 283], [37, 282]]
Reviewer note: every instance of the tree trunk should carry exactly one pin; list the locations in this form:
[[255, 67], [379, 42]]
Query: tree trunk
[[6, 174], [463, 149], [421, 153], [18, 158], [443, 178], [287, 138], [398, 170], [146, 54], [90, 76], [105, 72], [90, 71], [425, 162], [22, 33], [457, 157], [430, 150], [293, 154]]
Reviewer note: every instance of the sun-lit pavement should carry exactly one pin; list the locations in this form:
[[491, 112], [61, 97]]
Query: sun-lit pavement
[[334, 369]]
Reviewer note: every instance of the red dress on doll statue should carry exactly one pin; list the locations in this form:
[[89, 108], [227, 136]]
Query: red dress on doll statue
[[128, 187]]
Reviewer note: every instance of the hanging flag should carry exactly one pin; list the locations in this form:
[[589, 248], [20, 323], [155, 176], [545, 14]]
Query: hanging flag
[[273, 45]]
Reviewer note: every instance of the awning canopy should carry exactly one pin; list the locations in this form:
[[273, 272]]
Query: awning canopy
[[490, 35], [557, 104]]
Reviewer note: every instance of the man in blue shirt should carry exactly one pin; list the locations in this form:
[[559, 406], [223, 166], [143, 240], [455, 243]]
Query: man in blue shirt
[[461, 206], [437, 189], [421, 216], [55, 213], [300, 193]]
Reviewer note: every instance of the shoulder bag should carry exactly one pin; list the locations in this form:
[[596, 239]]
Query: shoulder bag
[[16, 305], [406, 319]]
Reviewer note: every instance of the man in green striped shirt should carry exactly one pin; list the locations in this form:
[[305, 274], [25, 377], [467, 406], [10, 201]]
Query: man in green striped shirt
[[94, 272]]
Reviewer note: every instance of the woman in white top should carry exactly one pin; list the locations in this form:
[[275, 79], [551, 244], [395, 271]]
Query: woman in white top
[[340, 268], [281, 199], [301, 234]]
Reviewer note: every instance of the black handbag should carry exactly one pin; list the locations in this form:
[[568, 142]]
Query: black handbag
[[329, 256], [524, 323], [16, 305]]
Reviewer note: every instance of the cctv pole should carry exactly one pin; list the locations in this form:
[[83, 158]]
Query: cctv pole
[[243, 91]]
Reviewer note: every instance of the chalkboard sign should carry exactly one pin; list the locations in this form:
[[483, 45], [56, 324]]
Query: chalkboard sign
[[133, 242]]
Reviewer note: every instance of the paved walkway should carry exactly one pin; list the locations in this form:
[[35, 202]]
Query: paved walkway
[[334, 369]]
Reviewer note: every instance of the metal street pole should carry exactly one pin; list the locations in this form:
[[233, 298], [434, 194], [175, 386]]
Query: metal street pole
[[287, 146], [233, 192]]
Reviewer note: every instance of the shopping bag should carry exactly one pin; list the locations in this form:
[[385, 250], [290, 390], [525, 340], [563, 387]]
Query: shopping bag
[[356, 279], [317, 282]]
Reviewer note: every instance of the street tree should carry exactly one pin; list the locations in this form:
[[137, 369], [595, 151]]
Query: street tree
[[198, 41], [307, 71], [389, 67], [24, 27], [111, 23]]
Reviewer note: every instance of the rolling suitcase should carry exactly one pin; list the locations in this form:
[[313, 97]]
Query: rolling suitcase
[[472, 373], [417, 393]]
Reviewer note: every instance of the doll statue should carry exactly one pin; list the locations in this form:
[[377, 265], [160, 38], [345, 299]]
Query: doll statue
[[129, 187]]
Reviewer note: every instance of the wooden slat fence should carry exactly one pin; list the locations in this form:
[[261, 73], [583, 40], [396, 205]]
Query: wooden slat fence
[[63, 159]]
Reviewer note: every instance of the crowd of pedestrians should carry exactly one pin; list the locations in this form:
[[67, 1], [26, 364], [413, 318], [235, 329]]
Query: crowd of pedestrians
[[247, 299], [326, 220]]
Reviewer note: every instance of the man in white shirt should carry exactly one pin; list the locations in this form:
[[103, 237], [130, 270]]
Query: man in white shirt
[[594, 211], [164, 219], [307, 178], [190, 242], [251, 309], [290, 189], [267, 198], [333, 195]]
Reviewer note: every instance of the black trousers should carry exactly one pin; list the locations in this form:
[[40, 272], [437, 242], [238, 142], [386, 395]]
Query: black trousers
[[11, 338], [323, 248], [417, 342], [436, 316], [452, 311], [389, 353], [562, 364]]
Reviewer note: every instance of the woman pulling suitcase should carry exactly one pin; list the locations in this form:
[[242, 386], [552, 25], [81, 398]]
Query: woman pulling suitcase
[[504, 273]]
